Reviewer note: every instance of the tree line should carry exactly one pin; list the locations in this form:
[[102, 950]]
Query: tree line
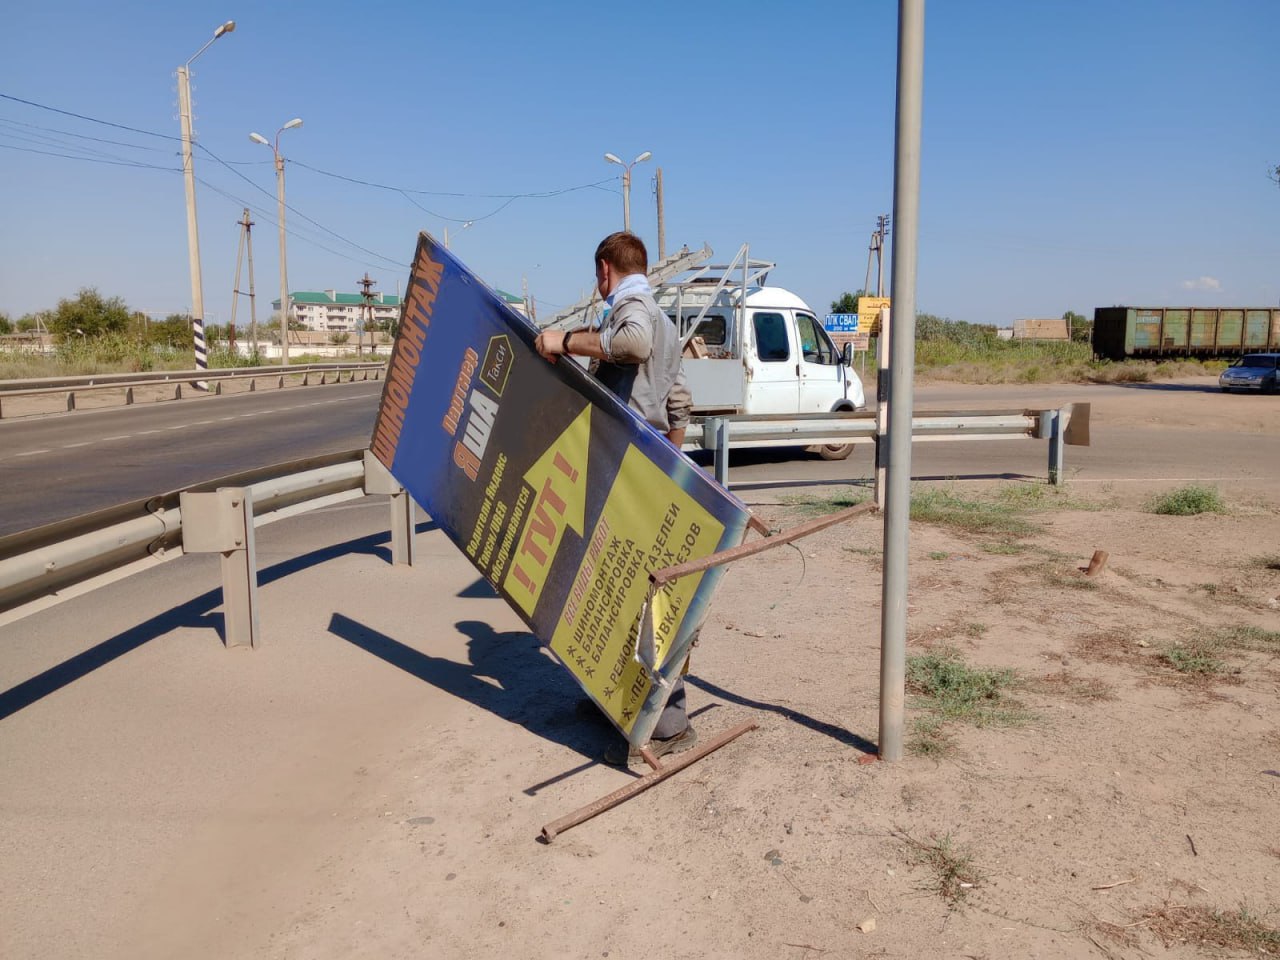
[[931, 327], [90, 315]]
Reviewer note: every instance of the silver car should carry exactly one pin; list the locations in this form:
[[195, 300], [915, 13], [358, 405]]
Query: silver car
[[1253, 371]]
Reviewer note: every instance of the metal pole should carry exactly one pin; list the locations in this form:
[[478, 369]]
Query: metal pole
[[626, 198], [906, 214], [662, 227], [235, 287], [1056, 448], [253, 307], [193, 234], [284, 270], [721, 428]]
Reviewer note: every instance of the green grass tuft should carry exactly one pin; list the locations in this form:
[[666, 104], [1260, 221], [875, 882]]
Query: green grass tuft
[[1187, 501], [952, 690], [1198, 656], [947, 509]]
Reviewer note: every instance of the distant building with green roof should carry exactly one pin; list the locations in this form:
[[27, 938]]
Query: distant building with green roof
[[333, 312]]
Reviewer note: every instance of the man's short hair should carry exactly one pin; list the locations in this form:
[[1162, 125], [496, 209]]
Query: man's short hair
[[624, 251]]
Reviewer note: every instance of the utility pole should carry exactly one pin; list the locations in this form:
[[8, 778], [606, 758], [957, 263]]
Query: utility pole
[[876, 251], [246, 240], [662, 227], [882, 231], [280, 206], [189, 180], [524, 284], [366, 291]]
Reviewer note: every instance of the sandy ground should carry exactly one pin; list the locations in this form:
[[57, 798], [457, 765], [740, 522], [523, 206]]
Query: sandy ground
[[372, 784]]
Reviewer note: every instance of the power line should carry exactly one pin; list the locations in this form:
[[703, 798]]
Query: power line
[[81, 136], [81, 116], [115, 163], [316, 223], [291, 231], [444, 193]]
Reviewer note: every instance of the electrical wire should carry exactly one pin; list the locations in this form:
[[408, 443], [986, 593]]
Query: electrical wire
[[70, 156], [266, 215], [81, 136], [81, 116], [299, 213], [443, 193]]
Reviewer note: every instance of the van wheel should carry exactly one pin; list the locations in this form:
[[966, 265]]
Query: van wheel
[[834, 451]]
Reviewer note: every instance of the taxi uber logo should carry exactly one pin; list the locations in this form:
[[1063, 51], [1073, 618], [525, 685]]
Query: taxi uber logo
[[468, 453]]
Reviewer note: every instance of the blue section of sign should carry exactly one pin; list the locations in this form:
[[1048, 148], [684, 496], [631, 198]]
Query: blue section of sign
[[841, 322]]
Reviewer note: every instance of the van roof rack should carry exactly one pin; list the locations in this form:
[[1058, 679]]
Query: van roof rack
[[587, 309]]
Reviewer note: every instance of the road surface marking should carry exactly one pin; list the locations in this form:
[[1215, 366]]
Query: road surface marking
[[71, 446], [30, 453]]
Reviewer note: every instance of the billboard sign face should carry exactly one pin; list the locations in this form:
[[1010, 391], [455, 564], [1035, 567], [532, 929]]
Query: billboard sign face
[[559, 494], [869, 314]]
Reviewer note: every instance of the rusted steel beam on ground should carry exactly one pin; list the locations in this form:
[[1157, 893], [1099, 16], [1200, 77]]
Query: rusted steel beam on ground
[[636, 787]]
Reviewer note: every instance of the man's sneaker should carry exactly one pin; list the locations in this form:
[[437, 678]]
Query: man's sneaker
[[624, 755]]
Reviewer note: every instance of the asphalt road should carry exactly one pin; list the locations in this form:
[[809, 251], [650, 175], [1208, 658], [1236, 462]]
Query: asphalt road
[[61, 466], [1174, 432]]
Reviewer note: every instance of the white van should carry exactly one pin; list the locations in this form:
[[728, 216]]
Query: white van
[[769, 355]]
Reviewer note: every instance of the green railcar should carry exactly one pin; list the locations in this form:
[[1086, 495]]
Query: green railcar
[[1123, 332]]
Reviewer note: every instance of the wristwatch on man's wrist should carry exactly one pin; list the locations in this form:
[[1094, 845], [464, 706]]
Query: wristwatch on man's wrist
[[564, 344]]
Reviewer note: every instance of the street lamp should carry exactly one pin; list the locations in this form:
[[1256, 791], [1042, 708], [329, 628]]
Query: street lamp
[[626, 184], [460, 229], [189, 176], [284, 272]]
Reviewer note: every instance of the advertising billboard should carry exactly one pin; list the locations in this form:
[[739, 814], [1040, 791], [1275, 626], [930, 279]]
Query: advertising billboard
[[560, 495]]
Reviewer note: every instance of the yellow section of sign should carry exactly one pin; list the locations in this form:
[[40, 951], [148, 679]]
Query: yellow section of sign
[[869, 314], [559, 484], [648, 522]]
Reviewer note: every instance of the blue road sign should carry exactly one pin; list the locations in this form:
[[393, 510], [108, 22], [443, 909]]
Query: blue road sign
[[841, 323]]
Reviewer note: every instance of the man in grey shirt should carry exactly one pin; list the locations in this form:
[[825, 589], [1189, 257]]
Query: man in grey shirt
[[636, 354]]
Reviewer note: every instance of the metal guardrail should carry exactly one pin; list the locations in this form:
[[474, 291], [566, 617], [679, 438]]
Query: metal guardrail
[[48, 564], [90, 383], [1067, 425]]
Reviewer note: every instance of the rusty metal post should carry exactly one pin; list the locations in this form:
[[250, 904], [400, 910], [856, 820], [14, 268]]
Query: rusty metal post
[[636, 787]]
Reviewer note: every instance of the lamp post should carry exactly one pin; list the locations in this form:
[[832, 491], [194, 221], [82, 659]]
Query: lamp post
[[284, 270], [460, 229], [189, 177], [626, 184]]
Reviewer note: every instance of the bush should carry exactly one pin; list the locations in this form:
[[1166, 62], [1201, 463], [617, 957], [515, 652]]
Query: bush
[[1187, 501]]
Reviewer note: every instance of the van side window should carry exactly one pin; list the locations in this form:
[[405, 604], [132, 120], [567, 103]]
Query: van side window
[[814, 342], [711, 330], [771, 337]]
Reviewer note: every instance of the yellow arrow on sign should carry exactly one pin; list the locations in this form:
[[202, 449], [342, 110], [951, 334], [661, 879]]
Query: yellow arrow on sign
[[559, 483]]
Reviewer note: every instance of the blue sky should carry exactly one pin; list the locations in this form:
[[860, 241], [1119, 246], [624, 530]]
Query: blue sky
[[1075, 154]]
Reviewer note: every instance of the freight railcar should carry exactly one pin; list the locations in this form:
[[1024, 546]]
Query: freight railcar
[[1200, 332]]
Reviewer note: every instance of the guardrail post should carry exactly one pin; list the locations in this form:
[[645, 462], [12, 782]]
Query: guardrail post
[[715, 436], [1051, 429], [222, 522], [71, 401], [378, 480]]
